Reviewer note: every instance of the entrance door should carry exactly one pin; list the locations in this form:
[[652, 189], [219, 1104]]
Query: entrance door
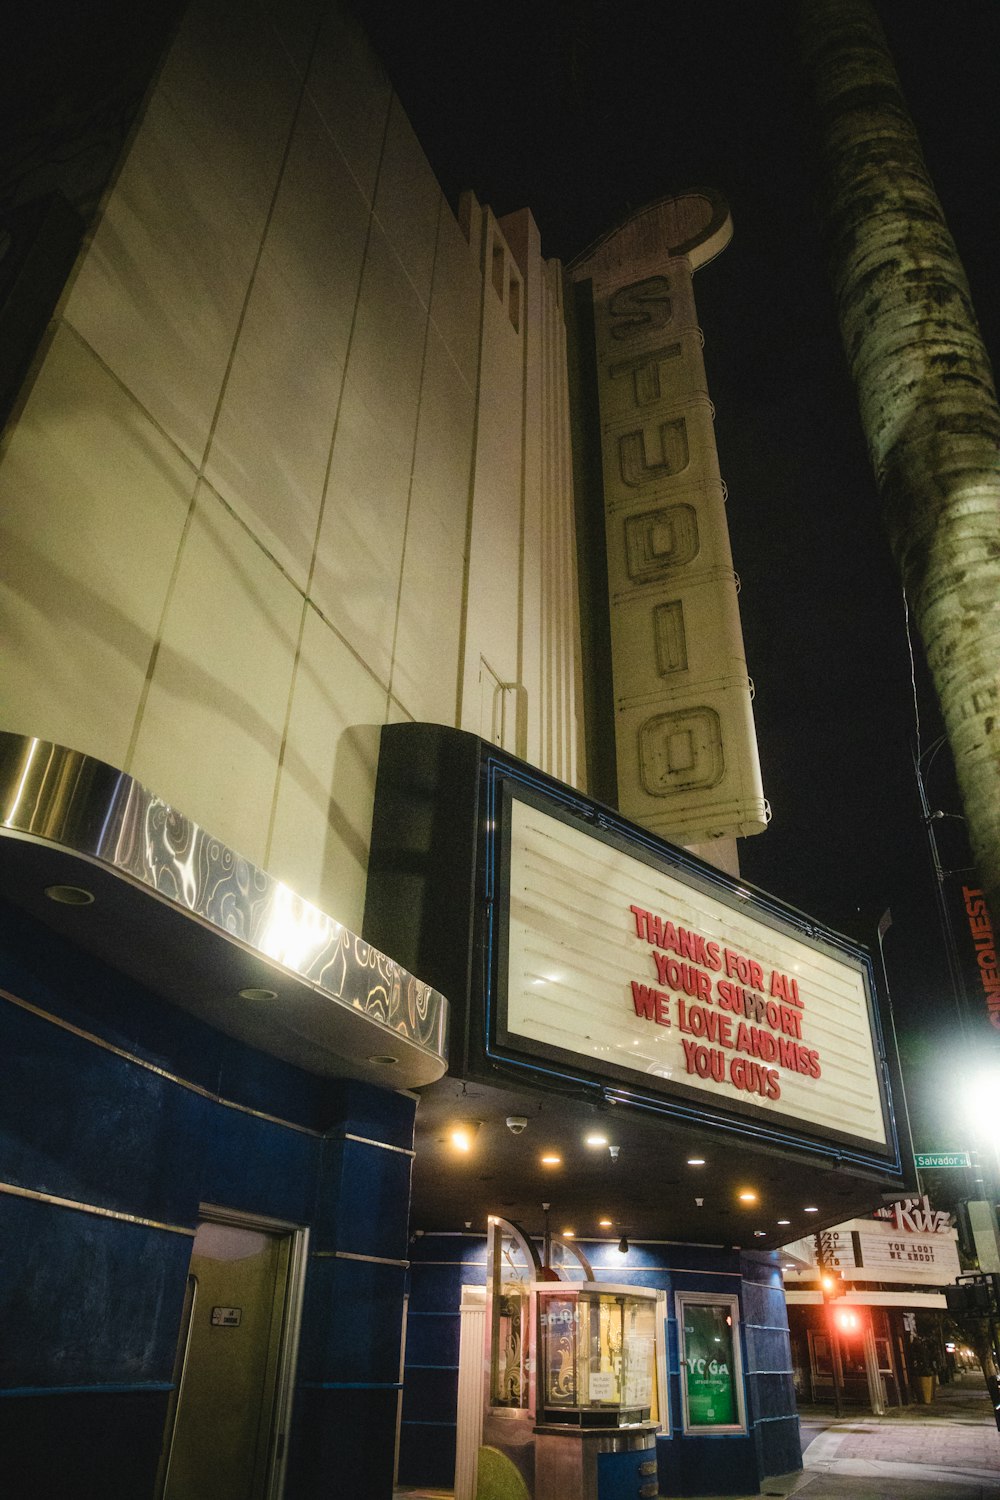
[[227, 1440]]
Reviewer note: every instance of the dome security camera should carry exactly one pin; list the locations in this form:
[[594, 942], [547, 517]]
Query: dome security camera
[[516, 1123]]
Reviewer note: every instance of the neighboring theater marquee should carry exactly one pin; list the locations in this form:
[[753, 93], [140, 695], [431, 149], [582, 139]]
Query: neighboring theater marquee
[[580, 951]]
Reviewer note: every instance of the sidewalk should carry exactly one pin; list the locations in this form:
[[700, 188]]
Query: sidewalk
[[949, 1450]]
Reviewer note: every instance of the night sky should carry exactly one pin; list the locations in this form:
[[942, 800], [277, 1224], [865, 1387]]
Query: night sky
[[586, 111]]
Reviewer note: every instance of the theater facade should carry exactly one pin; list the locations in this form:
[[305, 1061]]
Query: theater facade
[[401, 1084]]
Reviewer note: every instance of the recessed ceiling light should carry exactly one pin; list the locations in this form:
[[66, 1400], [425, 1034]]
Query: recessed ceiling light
[[747, 1196], [759, 1233], [604, 1223], [696, 1161], [70, 895], [384, 1059], [550, 1159], [784, 1221], [252, 992], [569, 1234], [595, 1140], [463, 1133], [810, 1210]]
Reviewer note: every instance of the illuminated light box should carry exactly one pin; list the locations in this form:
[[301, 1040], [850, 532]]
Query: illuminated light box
[[582, 953], [635, 972]]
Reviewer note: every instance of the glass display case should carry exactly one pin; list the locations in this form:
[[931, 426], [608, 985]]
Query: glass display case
[[596, 1355]]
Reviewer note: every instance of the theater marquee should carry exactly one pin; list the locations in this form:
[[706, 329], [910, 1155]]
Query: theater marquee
[[638, 972], [584, 956]]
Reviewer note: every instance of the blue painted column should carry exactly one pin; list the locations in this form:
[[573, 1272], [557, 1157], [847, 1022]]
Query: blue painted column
[[344, 1428]]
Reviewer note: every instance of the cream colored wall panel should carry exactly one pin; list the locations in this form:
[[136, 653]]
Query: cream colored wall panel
[[443, 459], [270, 448], [349, 88], [317, 233], [211, 730], [93, 501], [408, 201], [455, 296], [159, 293], [295, 24], [235, 95], [425, 664], [492, 608], [269, 453], [536, 468], [387, 348], [323, 812], [356, 576], [398, 714]]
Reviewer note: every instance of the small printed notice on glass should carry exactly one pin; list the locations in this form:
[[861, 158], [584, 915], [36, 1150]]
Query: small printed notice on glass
[[602, 1385]]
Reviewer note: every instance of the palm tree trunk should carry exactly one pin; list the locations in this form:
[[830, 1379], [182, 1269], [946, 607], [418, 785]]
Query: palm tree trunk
[[925, 389]]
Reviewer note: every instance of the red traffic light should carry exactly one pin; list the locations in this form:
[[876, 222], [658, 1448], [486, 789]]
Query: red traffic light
[[848, 1320], [832, 1285]]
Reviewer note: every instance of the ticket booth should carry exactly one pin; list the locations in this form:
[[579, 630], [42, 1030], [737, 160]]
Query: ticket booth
[[570, 1390]]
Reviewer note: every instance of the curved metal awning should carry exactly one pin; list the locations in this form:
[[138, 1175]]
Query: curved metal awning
[[201, 926]]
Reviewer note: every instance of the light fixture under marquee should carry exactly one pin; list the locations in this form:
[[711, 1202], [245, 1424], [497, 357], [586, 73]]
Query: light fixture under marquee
[[462, 1134]]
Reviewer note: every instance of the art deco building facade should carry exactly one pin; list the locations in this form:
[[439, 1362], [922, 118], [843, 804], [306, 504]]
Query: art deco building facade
[[297, 457]]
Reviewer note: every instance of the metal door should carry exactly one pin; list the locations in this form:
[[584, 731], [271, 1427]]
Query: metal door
[[228, 1425]]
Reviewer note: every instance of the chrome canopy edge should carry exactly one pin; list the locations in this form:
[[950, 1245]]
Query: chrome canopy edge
[[84, 808]]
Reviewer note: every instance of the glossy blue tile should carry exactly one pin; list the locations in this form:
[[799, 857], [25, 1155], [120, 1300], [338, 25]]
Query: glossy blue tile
[[86, 1300], [352, 1318]]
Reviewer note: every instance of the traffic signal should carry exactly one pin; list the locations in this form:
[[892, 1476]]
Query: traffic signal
[[848, 1321], [973, 1298], [832, 1285]]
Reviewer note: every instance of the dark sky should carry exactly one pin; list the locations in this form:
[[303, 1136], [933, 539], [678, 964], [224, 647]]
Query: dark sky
[[585, 111]]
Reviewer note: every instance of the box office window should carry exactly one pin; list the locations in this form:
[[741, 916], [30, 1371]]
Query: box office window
[[711, 1362]]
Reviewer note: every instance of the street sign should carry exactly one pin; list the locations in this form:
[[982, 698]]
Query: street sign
[[942, 1159]]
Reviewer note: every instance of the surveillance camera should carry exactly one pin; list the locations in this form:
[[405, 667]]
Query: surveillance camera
[[614, 1150], [516, 1123]]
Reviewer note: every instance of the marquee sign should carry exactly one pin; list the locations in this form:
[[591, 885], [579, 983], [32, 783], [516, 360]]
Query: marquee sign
[[908, 1243], [634, 971], [581, 953]]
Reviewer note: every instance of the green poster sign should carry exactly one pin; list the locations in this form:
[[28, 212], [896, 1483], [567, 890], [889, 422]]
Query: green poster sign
[[709, 1362]]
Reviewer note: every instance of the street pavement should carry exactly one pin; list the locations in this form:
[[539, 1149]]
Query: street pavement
[[949, 1450]]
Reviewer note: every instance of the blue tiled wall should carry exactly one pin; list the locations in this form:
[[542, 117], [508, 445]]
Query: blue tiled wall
[[440, 1265], [769, 1367], [689, 1464], [90, 1304]]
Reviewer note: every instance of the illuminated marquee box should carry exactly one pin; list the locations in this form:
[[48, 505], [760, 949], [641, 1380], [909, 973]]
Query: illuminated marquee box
[[640, 973], [581, 952]]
